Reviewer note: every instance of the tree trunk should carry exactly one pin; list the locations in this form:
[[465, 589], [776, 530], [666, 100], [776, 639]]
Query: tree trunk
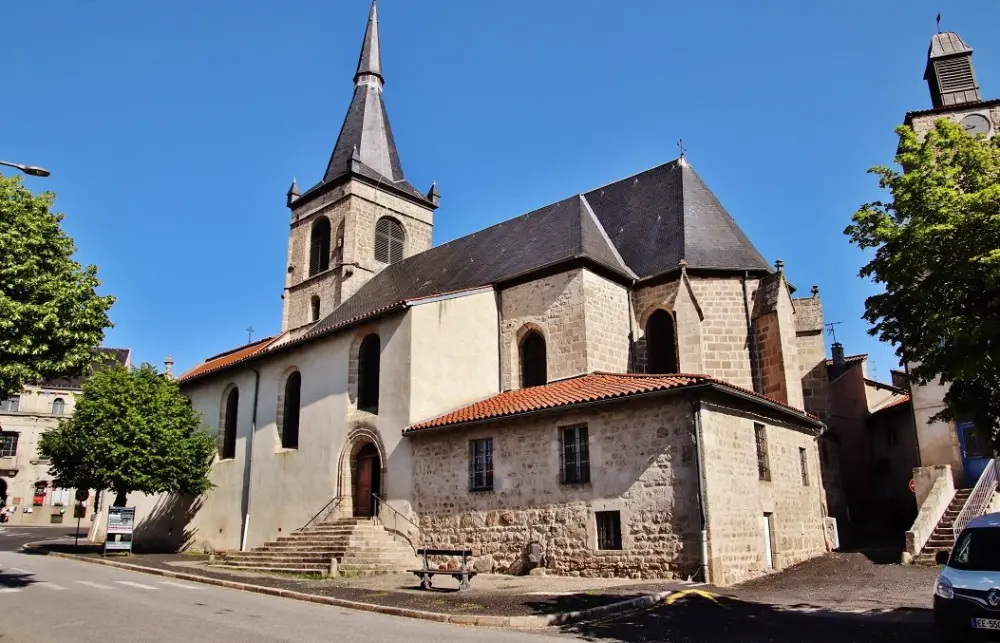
[[121, 499]]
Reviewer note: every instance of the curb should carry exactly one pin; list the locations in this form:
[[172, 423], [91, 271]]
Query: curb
[[532, 621]]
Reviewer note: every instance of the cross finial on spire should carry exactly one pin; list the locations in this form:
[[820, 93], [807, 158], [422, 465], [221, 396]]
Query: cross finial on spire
[[680, 146], [249, 330]]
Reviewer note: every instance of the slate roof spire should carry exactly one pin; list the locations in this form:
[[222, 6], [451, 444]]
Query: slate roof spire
[[949, 73], [370, 61], [365, 147]]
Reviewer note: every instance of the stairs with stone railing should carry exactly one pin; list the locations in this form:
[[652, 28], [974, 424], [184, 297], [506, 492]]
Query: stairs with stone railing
[[943, 538], [359, 545]]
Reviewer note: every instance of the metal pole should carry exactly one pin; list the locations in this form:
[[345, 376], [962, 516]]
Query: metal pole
[[76, 543]]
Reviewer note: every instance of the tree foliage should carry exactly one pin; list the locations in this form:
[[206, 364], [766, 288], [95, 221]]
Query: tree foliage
[[937, 255], [51, 317], [132, 430]]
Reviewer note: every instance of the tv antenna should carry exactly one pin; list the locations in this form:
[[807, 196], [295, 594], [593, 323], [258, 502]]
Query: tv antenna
[[830, 329]]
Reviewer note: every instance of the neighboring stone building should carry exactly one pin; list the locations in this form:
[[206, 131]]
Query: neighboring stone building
[[30, 492], [955, 95], [548, 313]]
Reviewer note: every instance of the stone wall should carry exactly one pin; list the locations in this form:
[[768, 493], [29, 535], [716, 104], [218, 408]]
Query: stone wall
[[607, 324], [724, 329], [678, 298], [555, 307], [641, 463], [811, 351], [922, 124], [738, 499]]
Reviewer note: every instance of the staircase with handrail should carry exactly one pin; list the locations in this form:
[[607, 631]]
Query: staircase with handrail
[[356, 546], [966, 505]]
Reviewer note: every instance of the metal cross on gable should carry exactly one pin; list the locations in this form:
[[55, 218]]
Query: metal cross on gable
[[249, 330], [680, 146]]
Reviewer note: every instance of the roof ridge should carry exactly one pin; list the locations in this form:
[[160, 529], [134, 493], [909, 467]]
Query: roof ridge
[[238, 348], [604, 235]]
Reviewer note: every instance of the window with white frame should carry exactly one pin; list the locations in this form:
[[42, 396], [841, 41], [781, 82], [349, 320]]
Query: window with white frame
[[8, 444]]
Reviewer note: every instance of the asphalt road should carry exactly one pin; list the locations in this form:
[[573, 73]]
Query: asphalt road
[[12, 538], [54, 600]]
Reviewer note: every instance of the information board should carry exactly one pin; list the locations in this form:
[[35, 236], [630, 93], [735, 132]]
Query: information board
[[121, 520]]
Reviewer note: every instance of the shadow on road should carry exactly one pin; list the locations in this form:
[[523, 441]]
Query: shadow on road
[[726, 620], [10, 579]]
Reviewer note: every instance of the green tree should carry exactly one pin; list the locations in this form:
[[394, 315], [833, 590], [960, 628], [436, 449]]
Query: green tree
[[132, 430], [51, 317], [937, 256]]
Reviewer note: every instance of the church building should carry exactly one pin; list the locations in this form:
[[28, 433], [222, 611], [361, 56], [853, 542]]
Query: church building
[[614, 384]]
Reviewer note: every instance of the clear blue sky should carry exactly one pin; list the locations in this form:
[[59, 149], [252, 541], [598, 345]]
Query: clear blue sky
[[173, 129]]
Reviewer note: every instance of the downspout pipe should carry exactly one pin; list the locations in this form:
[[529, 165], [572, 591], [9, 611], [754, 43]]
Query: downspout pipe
[[699, 471], [498, 297], [248, 463]]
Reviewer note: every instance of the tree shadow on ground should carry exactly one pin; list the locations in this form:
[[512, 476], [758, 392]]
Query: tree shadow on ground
[[166, 528], [10, 579], [724, 620]]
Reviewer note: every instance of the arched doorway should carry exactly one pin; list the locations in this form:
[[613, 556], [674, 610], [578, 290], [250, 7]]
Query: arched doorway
[[367, 481]]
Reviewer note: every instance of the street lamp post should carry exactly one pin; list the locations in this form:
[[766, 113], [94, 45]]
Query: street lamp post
[[30, 170]]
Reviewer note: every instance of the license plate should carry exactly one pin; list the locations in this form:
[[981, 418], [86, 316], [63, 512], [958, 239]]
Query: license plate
[[986, 623]]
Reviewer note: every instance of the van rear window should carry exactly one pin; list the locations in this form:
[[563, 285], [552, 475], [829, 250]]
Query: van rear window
[[977, 549]]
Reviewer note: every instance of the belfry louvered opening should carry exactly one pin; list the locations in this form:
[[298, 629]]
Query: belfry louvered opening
[[955, 74], [389, 240]]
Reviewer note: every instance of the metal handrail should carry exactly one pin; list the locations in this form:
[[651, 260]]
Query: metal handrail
[[382, 502], [335, 501], [978, 500]]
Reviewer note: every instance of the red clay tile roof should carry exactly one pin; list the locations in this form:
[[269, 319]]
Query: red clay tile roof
[[902, 399], [594, 387], [850, 359], [228, 358]]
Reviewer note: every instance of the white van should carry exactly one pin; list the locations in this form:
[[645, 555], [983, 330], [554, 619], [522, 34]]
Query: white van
[[967, 593]]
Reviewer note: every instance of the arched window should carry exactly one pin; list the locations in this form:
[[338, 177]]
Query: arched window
[[388, 240], [314, 303], [319, 246], [229, 424], [290, 413], [368, 368], [58, 406], [534, 370], [661, 343]]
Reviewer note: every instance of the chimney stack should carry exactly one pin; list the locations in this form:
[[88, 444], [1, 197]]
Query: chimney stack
[[839, 362], [168, 367]]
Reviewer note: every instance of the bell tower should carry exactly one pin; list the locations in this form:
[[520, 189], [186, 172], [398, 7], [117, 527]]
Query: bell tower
[[363, 215]]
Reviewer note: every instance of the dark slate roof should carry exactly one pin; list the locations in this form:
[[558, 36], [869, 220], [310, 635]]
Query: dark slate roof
[[555, 234], [110, 356], [365, 146], [947, 44], [663, 215]]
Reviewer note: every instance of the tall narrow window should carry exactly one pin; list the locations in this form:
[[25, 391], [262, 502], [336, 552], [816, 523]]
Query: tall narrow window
[[368, 371], [314, 303], [319, 246], [575, 455], [481, 465], [763, 466], [290, 412], [8, 444], [661, 343], [58, 406], [804, 463], [10, 405], [229, 425], [534, 369], [389, 240]]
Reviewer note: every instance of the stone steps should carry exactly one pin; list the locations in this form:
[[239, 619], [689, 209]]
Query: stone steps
[[942, 538]]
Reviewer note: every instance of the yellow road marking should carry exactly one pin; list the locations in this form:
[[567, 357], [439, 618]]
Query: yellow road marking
[[670, 600]]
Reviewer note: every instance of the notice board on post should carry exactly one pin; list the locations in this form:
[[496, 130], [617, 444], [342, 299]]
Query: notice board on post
[[121, 521]]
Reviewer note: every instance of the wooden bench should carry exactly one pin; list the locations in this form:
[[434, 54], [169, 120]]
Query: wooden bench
[[463, 574]]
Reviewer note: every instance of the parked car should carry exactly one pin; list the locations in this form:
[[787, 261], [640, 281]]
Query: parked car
[[967, 593]]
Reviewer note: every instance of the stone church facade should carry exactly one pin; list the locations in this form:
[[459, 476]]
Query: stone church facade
[[618, 380]]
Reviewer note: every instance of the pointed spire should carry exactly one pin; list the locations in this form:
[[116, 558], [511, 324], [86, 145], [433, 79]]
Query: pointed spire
[[370, 61], [433, 195], [293, 193]]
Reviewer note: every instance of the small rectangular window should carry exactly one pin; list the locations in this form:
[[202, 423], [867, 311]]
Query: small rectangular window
[[481, 465], [8, 444], [10, 405], [574, 455], [609, 529], [804, 463], [763, 466]]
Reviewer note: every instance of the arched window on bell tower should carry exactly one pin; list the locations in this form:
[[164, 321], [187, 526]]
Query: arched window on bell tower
[[319, 246], [661, 343]]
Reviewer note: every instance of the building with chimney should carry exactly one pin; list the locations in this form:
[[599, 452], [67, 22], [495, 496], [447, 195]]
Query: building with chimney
[[617, 383]]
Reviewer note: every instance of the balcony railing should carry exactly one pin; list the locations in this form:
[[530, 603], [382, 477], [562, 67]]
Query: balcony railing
[[979, 500]]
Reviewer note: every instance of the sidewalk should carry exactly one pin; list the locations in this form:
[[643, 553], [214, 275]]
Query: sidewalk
[[494, 600]]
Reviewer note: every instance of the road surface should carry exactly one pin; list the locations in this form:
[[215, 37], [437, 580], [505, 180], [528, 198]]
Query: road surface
[[12, 538], [45, 599]]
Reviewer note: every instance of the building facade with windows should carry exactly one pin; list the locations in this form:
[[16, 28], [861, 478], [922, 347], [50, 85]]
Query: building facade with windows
[[528, 383], [32, 496]]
